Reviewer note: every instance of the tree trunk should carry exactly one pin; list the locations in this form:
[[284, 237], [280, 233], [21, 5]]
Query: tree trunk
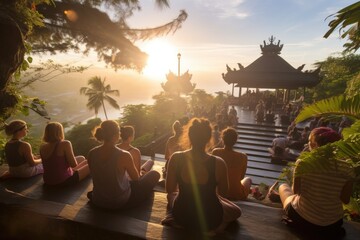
[[104, 109], [12, 53]]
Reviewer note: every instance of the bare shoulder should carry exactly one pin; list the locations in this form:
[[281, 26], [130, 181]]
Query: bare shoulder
[[219, 160]]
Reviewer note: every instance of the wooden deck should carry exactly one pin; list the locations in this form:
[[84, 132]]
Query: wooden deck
[[30, 211]]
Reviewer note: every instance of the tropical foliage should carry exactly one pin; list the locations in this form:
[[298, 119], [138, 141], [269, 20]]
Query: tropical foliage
[[40, 26], [98, 93], [346, 150], [74, 25], [81, 137], [347, 20], [337, 74]]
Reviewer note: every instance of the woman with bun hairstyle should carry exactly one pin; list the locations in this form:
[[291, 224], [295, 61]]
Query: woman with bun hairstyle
[[127, 134], [197, 182], [18, 153], [314, 204], [61, 167], [236, 162], [116, 181]]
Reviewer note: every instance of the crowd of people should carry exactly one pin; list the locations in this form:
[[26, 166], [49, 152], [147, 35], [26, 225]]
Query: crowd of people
[[289, 147], [203, 174]]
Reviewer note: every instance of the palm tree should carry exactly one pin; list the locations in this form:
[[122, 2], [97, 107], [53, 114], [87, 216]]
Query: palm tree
[[347, 20], [98, 93]]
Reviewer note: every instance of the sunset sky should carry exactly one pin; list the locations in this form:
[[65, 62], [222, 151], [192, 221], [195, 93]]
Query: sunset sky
[[216, 33]]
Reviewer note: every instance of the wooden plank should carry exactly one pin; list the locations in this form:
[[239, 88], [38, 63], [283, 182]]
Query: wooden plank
[[256, 153], [260, 133], [260, 129], [263, 124], [255, 143], [246, 137], [262, 173], [266, 166], [252, 158], [253, 147]]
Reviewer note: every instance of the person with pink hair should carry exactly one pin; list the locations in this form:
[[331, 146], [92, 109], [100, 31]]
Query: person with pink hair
[[314, 203]]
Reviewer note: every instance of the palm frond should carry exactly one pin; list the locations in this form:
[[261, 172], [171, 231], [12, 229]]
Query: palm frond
[[315, 161], [338, 105], [112, 102], [349, 149], [354, 128]]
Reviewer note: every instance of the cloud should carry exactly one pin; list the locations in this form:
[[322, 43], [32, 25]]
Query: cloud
[[225, 8]]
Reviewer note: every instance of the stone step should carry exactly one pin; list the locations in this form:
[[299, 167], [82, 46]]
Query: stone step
[[256, 133], [262, 129], [265, 166]]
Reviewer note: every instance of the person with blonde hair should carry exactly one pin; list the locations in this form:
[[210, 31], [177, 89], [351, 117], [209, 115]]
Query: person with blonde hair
[[61, 167], [172, 144], [18, 153], [116, 181], [236, 162], [127, 134], [196, 184]]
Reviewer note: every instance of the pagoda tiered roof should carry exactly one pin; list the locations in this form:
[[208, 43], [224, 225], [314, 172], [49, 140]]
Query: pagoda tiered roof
[[271, 71]]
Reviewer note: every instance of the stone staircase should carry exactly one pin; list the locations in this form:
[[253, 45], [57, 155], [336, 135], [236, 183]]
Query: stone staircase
[[254, 140]]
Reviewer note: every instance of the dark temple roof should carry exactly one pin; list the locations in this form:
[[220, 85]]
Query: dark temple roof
[[271, 71]]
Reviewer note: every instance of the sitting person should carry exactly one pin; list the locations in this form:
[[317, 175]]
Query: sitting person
[[279, 144], [116, 181], [127, 134], [18, 154], [197, 183], [239, 185], [61, 167], [172, 144], [314, 203]]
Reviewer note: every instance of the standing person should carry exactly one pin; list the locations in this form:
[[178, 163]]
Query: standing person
[[61, 167], [236, 162], [18, 153], [117, 183], [172, 144], [197, 183], [314, 203], [127, 134]]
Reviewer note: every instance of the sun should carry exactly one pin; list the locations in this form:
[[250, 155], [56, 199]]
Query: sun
[[162, 58]]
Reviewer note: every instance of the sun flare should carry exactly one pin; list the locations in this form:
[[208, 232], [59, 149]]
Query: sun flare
[[162, 58]]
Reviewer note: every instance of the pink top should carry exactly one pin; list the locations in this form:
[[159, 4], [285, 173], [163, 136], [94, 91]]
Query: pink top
[[56, 169]]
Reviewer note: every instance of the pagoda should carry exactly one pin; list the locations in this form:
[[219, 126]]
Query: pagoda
[[178, 84], [271, 71]]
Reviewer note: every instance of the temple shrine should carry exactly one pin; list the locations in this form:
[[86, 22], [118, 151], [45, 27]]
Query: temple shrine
[[272, 72], [178, 84]]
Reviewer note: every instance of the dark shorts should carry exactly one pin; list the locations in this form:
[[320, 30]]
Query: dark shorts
[[70, 181], [293, 219]]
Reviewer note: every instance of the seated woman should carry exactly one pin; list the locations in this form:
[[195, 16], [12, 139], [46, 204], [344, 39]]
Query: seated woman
[[22, 163], [117, 183], [239, 185], [127, 134], [172, 144], [197, 183], [61, 167], [314, 203]]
